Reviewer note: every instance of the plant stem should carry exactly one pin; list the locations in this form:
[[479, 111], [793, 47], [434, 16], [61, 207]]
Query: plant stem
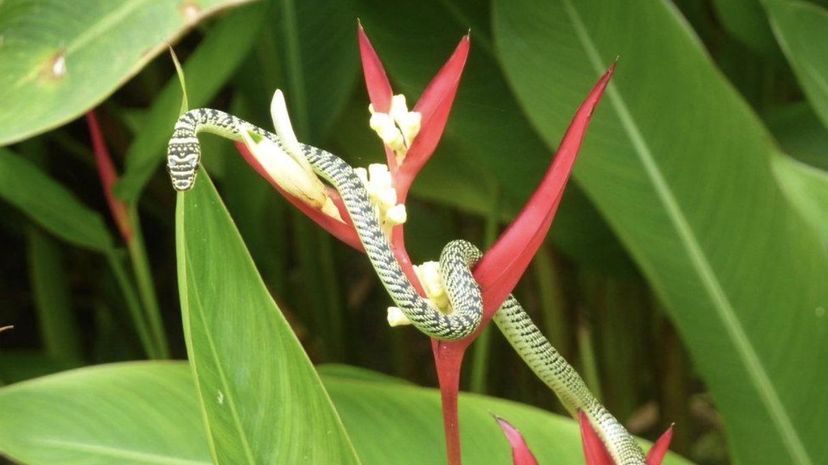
[[56, 321], [334, 326], [146, 290], [588, 362], [552, 302], [480, 362], [480, 356], [133, 305]]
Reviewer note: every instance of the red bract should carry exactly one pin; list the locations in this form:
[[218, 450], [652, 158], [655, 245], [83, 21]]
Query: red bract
[[108, 176], [434, 106], [503, 265], [343, 231], [656, 453], [595, 453], [521, 455]]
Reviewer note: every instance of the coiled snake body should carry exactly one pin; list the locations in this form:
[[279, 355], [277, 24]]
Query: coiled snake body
[[456, 259]]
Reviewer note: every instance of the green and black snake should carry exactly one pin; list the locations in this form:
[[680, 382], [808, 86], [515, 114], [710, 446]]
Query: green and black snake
[[456, 260]]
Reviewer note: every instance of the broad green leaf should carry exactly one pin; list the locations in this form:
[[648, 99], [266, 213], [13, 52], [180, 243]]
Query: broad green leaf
[[679, 166], [147, 413], [800, 134], [207, 69], [313, 58], [413, 434], [51, 205], [49, 283], [350, 372], [807, 188], [53, 69], [801, 29], [746, 21], [261, 398], [127, 414]]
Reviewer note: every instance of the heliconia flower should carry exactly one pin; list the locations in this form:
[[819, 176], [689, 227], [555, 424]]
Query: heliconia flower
[[342, 228], [433, 108], [595, 453], [501, 267], [521, 455], [291, 175], [409, 139]]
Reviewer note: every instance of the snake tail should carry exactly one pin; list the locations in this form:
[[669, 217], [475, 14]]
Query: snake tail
[[550, 366]]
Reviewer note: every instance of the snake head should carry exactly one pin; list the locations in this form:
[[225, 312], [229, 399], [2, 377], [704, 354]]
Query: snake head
[[182, 162]]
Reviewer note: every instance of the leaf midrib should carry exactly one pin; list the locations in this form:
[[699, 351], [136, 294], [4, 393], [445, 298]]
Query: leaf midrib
[[122, 453], [95, 30], [711, 283], [219, 370]]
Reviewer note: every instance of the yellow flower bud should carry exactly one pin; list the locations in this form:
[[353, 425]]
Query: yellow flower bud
[[396, 317], [296, 178]]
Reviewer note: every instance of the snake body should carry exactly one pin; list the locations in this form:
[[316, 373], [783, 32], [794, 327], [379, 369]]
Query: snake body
[[456, 261]]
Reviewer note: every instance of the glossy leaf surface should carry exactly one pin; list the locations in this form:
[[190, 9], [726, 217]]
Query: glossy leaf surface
[[45, 418], [51, 69], [261, 398], [677, 163], [128, 414], [49, 204], [800, 28]]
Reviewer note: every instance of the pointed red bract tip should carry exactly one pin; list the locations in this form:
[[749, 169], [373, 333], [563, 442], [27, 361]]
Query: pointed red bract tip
[[521, 455], [656, 453], [376, 81], [595, 453], [342, 231], [502, 266], [108, 176], [434, 105]]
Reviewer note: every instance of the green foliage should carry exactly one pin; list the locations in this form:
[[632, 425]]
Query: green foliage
[[51, 205], [258, 408], [214, 61], [677, 163], [147, 413], [800, 28], [807, 188], [695, 229], [130, 414], [52, 69]]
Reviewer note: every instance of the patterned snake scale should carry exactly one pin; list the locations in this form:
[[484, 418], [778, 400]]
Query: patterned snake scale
[[456, 259]]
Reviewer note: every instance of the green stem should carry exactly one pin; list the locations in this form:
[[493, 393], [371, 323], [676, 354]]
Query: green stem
[[335, 342], [588, 363], [146, 289], [133, 305], [312, 288], [480, 362], [552, 301], [59, 331], [295, 77], [482, 346]]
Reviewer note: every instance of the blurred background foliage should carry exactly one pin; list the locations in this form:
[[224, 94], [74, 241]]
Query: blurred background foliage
[[690, 246]]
